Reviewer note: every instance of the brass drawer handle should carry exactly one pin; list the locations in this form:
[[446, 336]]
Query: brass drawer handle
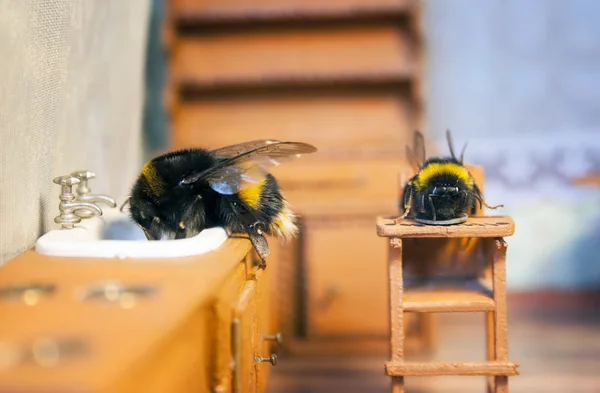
[[278, 338], [270, 359]]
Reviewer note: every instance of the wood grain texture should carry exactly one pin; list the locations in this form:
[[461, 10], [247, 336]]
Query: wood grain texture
[[239, 10], [309, 54], [454, 368], [447, 300], [395, 290], [220, 321], [482, 226], [127, 346], [245, 313], [349, 304], [357, 126]]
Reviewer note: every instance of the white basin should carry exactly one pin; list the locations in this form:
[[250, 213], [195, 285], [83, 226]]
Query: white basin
[[114, 235]]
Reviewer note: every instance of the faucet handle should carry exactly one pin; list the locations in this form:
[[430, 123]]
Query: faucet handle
[[83, 175], [66, 181]]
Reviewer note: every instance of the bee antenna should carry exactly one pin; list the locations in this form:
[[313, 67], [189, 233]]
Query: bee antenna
[[462, 153], [450, 144], [124, 203], [482, 202]]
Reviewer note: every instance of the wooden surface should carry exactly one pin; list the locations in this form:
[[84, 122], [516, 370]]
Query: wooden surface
[[447, 368], [483, 226], [263, 10], [335, 123], [554, 335], [446, 300], [156, 344], [454, 300], [305, 54]]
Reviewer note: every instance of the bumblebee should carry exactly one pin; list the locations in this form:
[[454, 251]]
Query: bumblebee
[[181, 193], [443, 192]]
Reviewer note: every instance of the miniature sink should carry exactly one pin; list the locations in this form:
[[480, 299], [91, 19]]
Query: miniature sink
[[114, 235]]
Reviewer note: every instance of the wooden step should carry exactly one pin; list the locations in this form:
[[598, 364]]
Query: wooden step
[[403, 369], [380, 55], [446, 300], [482, 226], [219, 12]]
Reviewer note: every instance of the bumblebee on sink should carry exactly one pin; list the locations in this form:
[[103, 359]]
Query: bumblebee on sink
[[443, 191], [181, 193]]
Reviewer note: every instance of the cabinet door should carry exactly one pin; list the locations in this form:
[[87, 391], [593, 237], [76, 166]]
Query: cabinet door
[[265, 327], [245, 339], [346, 275], [219, 359]]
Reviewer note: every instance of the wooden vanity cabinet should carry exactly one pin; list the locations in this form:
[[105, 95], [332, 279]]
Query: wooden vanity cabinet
[[179, 339]]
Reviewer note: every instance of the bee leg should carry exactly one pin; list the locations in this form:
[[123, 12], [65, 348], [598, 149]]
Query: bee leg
[[432, 207], [477, 193], [261, 246], [180, 234], [407, 203], [239, 237], [124, 203], [147, 234]]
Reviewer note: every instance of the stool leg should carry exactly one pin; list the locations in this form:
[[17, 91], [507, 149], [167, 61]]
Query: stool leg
[[500, 320], [490, 339], [396, 309], [398, 385], [501, 384]]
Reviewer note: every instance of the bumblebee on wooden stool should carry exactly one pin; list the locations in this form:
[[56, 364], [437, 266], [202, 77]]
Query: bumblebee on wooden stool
[[442, 259]]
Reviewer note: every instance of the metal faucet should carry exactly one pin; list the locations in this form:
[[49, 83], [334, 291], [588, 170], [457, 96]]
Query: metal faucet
[[68, 206], [84, 193]]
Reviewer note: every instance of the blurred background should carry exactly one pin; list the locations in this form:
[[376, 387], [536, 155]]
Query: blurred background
[[521, 77], [115, 84]]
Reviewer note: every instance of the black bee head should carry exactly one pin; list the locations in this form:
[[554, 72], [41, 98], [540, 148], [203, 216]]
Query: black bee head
[[144, 213], [446, 191], [448, 200]]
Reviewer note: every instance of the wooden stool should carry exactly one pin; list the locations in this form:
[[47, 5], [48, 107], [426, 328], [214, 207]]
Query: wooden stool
[[443, 269]]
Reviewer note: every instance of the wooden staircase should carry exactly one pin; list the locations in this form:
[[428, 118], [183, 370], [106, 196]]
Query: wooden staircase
[[344, 75]]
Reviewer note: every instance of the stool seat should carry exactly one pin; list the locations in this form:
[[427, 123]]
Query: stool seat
[[477, 226]]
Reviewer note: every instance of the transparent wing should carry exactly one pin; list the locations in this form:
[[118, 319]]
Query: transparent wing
[[416, 155], [419, 148], [412, 159], [240, 148], [231, 179], [248, 168]]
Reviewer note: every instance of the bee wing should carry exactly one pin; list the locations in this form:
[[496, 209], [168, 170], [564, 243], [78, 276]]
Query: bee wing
[[416, 160], [419, 148], [248, 168], [240, 148]]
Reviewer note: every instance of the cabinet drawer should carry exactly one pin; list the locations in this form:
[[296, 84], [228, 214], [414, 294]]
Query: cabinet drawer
[[291, 55], [368, 126]]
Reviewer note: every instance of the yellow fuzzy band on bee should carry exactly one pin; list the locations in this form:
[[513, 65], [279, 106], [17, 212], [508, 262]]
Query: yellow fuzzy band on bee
[[439, 168], [251, 195], [284, 225], [155, 182]]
